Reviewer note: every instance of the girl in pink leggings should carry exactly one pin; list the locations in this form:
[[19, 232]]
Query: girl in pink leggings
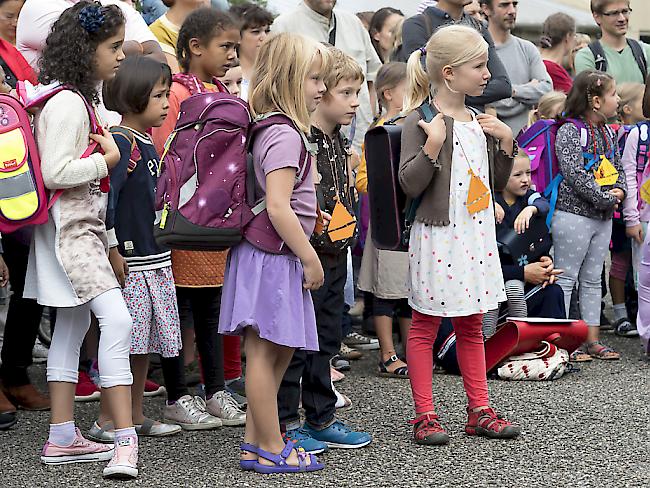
[[452, 165]]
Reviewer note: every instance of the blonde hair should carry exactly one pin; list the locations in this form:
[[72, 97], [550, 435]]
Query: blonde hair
[[278, 85], [397, 39], [546, 103], [453, 46], [341, 67], [628, 93]]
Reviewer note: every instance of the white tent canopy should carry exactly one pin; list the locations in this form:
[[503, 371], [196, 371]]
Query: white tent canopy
[[531, 12]]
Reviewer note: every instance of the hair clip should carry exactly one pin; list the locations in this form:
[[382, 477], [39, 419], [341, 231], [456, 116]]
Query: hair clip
[[423, 50], [91, 18]]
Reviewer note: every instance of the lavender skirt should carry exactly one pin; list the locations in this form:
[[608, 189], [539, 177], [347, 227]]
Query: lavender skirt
[[264, 291]]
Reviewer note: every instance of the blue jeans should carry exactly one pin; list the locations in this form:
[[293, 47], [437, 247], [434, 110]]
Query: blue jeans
[[152, 9]]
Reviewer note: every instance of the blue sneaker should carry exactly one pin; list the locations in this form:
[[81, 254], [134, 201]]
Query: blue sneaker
[[339, 435], [303, 439]]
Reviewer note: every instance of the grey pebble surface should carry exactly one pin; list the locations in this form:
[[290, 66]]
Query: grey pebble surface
[[588, 429]]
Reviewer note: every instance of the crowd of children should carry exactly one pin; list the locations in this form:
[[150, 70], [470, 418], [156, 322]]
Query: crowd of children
[[97, 254]]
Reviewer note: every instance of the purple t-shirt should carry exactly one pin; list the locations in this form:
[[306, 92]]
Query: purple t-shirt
[[277, 147]]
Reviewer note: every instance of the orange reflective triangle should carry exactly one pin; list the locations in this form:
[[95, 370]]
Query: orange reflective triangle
[[478, 195]]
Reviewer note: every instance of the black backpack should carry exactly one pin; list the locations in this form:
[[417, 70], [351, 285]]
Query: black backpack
[[600, 59], [392, 213]]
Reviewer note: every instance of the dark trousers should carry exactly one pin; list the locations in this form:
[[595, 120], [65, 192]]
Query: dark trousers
[[318, 398], [23, 317], [200, 305], [548, 302]]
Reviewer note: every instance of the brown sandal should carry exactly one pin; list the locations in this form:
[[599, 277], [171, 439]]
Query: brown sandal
[[598, 350]]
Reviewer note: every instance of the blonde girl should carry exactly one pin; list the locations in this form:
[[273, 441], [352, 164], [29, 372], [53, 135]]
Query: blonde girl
[[266, 296], [550, 106], [453, 164]]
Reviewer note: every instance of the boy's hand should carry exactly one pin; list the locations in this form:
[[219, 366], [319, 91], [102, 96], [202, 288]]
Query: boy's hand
[[535, 273], [118, 263], [635, 232], [4, 273], [522, 222], [551, 272], [499, 213]]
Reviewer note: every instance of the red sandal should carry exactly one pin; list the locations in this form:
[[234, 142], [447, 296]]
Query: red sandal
[[428, 431], [486, 423]]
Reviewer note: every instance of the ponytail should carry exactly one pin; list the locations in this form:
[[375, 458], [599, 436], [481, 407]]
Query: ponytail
[[417, 82]]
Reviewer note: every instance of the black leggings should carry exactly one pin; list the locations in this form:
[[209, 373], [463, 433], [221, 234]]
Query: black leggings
[[200, 305]]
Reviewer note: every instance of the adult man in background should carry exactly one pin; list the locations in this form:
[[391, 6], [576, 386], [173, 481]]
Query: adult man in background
[[317, 19], [522, 61], [417, 31], [624, 58]]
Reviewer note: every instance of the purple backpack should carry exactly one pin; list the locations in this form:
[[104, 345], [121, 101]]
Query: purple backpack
[[205, 197]]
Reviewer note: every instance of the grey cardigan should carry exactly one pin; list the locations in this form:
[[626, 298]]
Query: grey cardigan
[[418, 176]]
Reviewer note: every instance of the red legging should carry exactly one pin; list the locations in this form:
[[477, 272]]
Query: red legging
[[231, 357], [470, 352]]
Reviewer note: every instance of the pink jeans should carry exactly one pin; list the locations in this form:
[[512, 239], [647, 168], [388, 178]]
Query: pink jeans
[[470, 352]]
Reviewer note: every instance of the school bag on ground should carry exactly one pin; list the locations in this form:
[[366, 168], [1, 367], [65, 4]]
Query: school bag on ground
[[24, 200], [392, 213], [547, 363], [538, 141], [205, 196]]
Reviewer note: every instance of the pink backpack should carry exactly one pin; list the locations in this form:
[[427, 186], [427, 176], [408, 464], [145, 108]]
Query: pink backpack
[[23, 196], [205, 197]]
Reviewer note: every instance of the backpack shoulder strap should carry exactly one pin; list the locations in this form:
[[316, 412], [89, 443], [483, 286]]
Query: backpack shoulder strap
[[134, 156], [643, 148], [427, 111], [639, 57], [190, 82], [600, 60]]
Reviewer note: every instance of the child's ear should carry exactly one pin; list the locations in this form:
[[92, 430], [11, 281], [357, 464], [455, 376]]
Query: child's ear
[[596, 102], [388, 95], [195, 47], [627, 110], [448, 73]]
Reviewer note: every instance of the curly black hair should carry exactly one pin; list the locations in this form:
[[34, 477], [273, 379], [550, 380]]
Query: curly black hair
[[69, 53], [203, 24]]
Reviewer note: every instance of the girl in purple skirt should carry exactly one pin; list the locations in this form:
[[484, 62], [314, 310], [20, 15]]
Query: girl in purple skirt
[[266, 295]]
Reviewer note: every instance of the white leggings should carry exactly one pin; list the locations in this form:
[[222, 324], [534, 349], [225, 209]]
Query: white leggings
[[114, 343]]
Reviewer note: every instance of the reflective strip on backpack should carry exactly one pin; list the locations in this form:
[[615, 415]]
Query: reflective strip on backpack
[[16, 186]]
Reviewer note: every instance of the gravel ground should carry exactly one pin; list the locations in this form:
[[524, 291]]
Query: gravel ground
[[589, 428]]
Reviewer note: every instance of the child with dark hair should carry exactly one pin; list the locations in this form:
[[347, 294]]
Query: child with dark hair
[[582, 224], [255, 26], [68, 264], [139, 93], [206, 49]]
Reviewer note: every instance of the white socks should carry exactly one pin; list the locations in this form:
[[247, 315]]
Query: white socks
[[620, 312], [62, 435]]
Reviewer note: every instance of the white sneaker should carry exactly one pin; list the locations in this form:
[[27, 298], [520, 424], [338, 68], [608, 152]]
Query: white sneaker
[[124, 463], [223, 406], [39, 352], [191, 414], [358, 341]]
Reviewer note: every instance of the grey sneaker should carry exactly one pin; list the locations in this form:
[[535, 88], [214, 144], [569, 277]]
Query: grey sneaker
[[223, 406], [191, 414], [240, 399], [358, 341]]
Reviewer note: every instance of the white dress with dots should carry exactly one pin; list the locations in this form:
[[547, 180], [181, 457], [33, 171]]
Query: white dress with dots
[[455, 269]]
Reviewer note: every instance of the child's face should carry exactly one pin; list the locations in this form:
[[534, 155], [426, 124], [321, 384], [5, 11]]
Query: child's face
[[232, 80], [108, 56], [519, 182], [219, 53], [386, 35], [341, 102], [555, 111], [395, 97], [634, 111], [314, 87], [156, 111], [470, 78], [251, 41], [609, 101]]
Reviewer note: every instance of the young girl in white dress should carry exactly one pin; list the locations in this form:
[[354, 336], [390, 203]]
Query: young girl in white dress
[[453, 164]]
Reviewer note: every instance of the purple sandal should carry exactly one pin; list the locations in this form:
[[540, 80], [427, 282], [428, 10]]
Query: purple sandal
[[247, 464], [280, 461]]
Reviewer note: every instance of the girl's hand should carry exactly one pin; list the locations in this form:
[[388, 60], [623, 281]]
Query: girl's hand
[[4, 273], [635, 232], [109, 148], [618, 193], [494, 127], [436, 132], [313, 274], [118, 263], [522, 222], [499, 213]]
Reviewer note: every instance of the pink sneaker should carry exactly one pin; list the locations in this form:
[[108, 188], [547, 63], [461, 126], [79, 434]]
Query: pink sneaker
[[81, 451], [124, 464]]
